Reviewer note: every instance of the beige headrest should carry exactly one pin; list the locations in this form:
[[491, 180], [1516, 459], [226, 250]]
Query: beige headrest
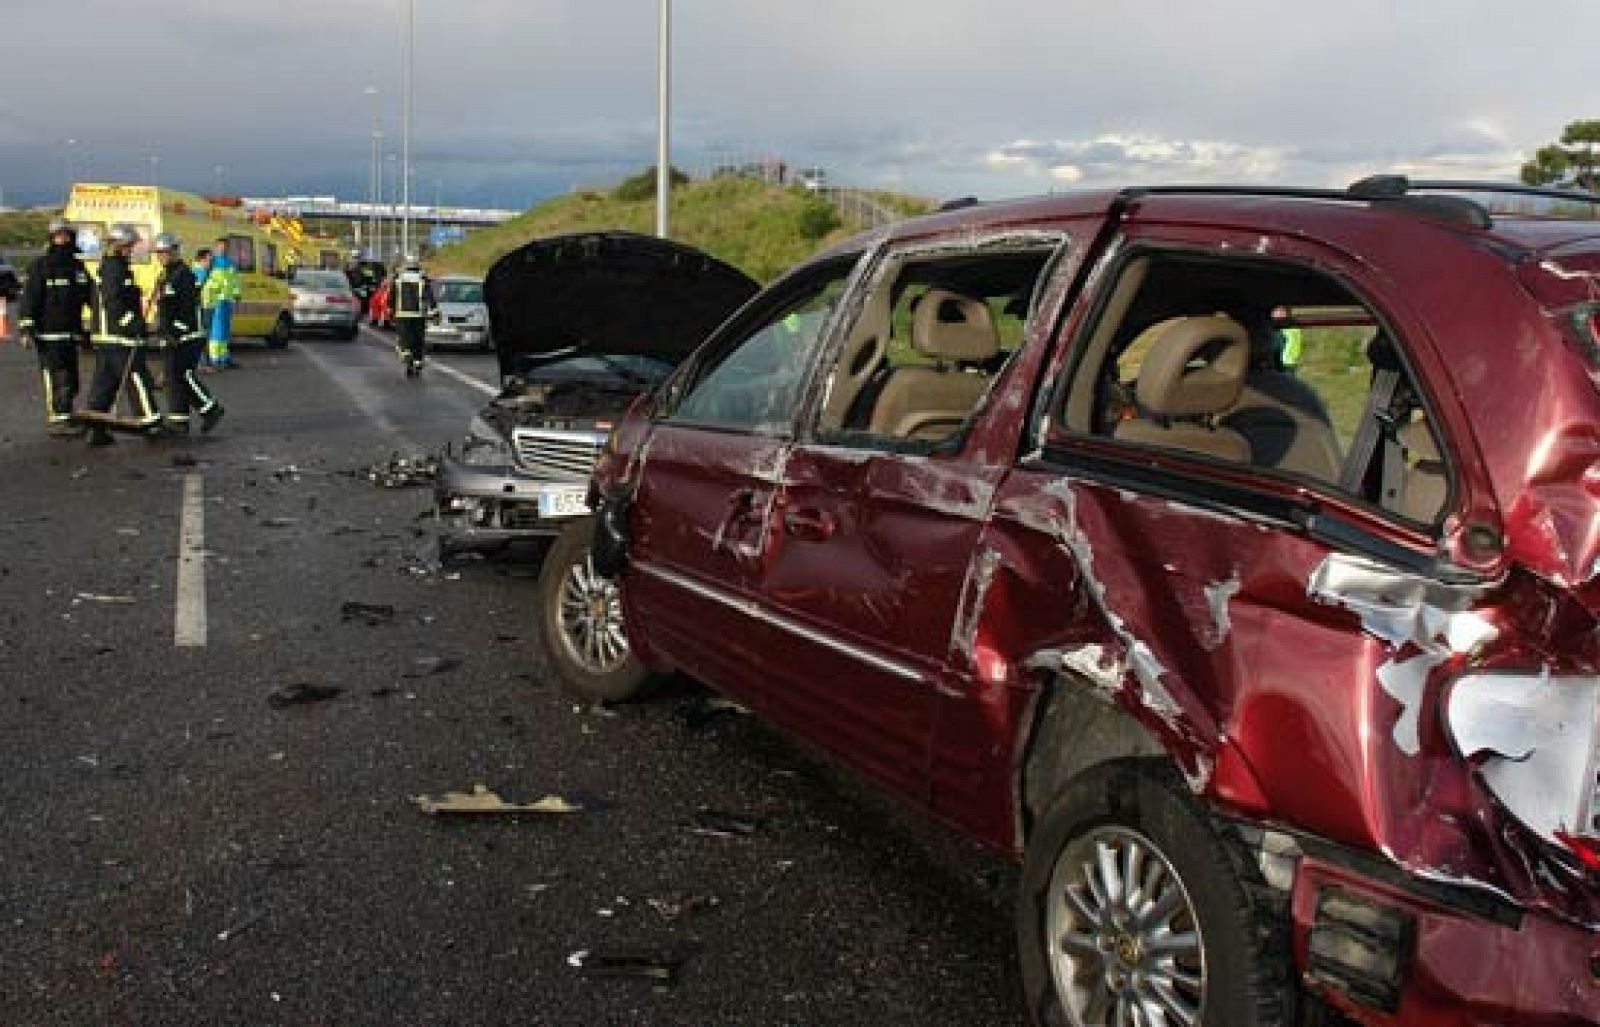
[[1197, 365], [949, 326]]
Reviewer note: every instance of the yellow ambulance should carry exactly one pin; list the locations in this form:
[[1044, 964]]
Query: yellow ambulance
[[262, 250]]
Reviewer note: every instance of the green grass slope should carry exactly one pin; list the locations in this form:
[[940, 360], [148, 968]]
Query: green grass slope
[[761, 229]]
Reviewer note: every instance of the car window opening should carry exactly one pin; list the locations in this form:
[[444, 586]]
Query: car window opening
[[1262, 363], [930, 340]]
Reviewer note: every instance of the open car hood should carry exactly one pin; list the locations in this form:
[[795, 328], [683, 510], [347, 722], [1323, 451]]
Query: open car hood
[[608, 292]]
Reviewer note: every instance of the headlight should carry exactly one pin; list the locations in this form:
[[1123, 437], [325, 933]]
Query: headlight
[[483, 447], [1540, 735]]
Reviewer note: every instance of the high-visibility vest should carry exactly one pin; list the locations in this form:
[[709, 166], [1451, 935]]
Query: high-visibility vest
[[221, 285]]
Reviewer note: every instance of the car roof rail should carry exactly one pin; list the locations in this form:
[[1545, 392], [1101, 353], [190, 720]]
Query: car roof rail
[[1589, 200], [1391, 190]]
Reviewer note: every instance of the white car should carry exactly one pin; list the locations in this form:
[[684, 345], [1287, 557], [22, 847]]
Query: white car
[[461, 318]]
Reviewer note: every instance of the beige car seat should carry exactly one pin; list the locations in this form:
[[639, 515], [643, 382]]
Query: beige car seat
[[1284, 436], [1194, 371], [932, 402]]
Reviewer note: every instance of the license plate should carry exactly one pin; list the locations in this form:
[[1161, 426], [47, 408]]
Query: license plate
[[568, 502]]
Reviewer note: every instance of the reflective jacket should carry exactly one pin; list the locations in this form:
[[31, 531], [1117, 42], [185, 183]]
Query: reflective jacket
[[58, 290], [178, 304], [413, 297], [222, 282], [119, 310]]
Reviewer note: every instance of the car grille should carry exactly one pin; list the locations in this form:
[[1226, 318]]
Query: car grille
[[562, 455]]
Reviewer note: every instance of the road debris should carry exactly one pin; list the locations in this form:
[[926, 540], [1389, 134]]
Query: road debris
[[719, 824], [97, 597], [701, 711], [280, 522], [660, 967], [301, 692], [434, 665], [677, 907], [229, 933], [183, 460], [483, 801], [371, 614], [403, 472]]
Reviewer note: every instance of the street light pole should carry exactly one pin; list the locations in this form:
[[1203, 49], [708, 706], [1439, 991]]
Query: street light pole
[[405, 143], [663, 145], [374, 178]]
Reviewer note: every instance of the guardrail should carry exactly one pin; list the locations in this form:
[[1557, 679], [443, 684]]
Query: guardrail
[[859, 208]]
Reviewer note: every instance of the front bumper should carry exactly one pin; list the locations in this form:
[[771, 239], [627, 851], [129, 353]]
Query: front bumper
[[476, 336], [489, 505], [1386, 953]]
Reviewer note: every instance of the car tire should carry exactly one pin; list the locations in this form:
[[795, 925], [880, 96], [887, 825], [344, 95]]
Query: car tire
[[349, 334], [589, 654], [282, 331], [1137, 814]]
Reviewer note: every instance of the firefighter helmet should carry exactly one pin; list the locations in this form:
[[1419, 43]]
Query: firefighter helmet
[[121, 235], [59, 225], [412, 263], [166, 242]]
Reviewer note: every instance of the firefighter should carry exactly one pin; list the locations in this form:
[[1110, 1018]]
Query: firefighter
[[119, 342], [58, 290], [413, 301], [178, 326]]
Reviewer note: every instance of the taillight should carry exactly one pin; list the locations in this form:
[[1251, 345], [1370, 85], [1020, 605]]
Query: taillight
[[1536, 738], [339, 297]]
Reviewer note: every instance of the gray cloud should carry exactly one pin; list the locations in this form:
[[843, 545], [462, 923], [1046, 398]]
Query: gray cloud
[[937, 96]]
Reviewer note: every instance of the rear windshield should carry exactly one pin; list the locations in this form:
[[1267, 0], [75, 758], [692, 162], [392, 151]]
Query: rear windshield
[[459, 292], [333, 280]]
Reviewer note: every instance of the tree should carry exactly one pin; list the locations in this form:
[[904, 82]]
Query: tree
[[643, 185], [1573, 161]]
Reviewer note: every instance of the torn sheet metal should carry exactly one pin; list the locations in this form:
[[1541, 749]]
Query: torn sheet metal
[[1218, 595], [969, 608], [1541, 737], [1405, 611], [482, 801]]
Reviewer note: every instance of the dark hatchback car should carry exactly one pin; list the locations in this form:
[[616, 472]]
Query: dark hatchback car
[[1229, 557], [583, 325]]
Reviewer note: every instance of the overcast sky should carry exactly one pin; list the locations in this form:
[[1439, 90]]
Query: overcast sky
[[520, 99]]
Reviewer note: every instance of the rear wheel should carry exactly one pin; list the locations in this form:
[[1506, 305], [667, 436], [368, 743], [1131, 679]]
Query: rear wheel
[[282, 330], [349, 334], [1133, 910], [580, 621]]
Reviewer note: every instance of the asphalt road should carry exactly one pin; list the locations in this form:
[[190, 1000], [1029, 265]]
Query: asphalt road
[[177, 851]]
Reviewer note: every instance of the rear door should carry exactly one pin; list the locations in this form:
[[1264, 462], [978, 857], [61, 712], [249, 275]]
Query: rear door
[[710, 479]]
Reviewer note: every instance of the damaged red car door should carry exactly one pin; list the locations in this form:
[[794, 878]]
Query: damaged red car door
[[710, 479]]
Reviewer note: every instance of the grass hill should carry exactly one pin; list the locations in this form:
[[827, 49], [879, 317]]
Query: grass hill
[[760, 228]]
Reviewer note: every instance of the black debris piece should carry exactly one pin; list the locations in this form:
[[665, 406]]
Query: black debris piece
[[677, 907], [372, 614], [384, 692], [279, 522], [660, 967], [301, 692], [183, 460], [719, 824], [435, 665], [702, 711], [403, 472]]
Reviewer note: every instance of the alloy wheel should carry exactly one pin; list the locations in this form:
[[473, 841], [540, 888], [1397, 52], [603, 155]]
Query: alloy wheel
[[1123, 943], [590, 611]]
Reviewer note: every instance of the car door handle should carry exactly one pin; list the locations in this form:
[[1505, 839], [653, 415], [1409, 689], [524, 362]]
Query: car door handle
[[810, 525]]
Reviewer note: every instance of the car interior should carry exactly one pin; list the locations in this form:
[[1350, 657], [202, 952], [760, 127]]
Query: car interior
[[928, 344], [1188, 353]]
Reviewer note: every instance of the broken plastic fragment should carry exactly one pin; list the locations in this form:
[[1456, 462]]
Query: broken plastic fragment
[[717, 824], [483, 801], [653, 966], [110, 600], [368, 613], [301, 692], [403, 472]]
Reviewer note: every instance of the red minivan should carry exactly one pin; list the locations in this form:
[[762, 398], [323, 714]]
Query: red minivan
[[1231, 557]]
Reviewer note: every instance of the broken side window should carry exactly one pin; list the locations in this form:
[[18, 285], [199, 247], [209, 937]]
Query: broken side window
[[754, 383], [1257, 362]]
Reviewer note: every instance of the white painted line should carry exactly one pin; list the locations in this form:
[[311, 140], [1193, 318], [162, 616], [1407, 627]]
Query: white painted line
[[365, 398], [470, 381], [464, 378], [189, 615]]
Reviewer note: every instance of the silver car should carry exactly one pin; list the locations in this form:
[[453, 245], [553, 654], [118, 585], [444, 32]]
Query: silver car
[[461, 317], [324, 302]]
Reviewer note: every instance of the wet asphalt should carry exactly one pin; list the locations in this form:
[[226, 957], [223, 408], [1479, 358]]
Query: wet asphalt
[[176, 850]]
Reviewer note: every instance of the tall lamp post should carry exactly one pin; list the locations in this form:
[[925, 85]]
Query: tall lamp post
[[374, 177], [405, 142], [663, 146]]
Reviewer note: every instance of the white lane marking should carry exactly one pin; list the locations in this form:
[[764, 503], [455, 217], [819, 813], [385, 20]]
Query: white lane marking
[[189, 613], [470, 381], [464, 378], [365, 399]]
